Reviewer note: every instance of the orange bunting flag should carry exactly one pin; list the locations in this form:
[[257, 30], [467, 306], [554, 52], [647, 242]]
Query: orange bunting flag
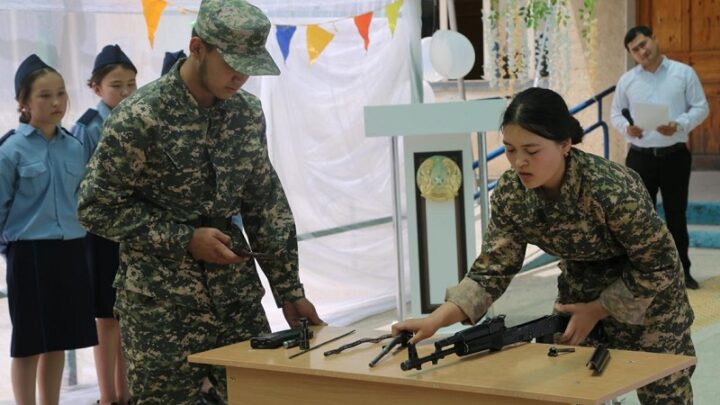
[[392, 11], [152, 9], [317, 40], [362, 22]]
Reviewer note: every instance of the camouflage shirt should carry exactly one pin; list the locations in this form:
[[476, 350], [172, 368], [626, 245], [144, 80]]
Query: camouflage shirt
[[164, 162], [613, 246]]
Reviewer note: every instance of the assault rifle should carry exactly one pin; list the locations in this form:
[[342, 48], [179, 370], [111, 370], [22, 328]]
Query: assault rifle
[[492, 335]]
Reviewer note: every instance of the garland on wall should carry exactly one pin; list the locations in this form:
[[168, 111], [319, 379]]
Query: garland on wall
[[589, 32], [317, 36], [509, 24]]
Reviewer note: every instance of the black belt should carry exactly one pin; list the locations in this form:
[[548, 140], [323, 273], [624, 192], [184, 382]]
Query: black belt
[[659, 152]]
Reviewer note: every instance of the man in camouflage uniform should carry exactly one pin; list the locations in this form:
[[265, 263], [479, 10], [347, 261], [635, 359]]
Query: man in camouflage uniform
[[616, 252], [176, 161]]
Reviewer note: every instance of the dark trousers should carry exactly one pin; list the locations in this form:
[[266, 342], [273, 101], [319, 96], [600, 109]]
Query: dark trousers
[[671, 175]]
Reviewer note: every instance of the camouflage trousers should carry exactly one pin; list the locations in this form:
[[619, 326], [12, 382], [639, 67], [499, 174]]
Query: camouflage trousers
[[669, 337], [157, 338]]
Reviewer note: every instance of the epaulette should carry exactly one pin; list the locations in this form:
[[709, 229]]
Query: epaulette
[[6, 136], [87, 117], [71, 135]]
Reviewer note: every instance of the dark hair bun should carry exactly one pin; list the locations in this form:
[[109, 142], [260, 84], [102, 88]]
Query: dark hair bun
[[576, 130]]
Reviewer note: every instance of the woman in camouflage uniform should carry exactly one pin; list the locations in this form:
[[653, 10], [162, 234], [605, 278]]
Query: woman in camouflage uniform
[[619, 263]]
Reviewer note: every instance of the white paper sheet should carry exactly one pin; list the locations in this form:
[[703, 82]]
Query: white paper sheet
[[649, 116]]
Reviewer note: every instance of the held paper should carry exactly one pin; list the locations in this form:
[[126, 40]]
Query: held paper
[[649, 116]]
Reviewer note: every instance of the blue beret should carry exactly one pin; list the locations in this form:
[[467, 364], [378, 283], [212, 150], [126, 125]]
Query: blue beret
[[170, 59], [111, 55], [29, 65]]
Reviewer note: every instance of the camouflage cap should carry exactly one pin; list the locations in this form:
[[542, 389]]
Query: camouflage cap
[[238, 30]]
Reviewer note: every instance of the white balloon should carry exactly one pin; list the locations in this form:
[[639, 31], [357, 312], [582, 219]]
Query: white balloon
[[429, 72], [451, 54]]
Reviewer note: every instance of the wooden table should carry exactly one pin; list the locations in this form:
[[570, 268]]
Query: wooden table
[[523, 374]]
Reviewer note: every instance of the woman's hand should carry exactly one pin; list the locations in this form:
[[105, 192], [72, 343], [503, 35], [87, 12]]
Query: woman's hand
[[422, 328], [583, 317]]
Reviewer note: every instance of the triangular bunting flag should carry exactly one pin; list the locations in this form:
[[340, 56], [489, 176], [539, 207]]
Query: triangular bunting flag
[[362, 22], [392, 11], [284, 34], [317, 40], [152, 9]]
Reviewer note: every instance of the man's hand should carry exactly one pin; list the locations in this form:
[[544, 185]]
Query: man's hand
[[301, 308], [635, 132], [668, 130], [583, 317], [211, 246]]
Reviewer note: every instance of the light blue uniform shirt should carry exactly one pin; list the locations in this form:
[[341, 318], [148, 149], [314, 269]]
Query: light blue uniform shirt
[[673, 84], [89, 134], [39, 181]]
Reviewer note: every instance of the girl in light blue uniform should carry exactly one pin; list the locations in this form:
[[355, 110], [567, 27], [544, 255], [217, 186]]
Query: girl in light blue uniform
[[113, 79], [49, 290]]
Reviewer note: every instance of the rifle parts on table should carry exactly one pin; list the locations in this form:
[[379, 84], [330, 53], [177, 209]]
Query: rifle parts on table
[[489, 335], [287, 338], [402, 339], [492, 335], [357, 343], [321, 344]]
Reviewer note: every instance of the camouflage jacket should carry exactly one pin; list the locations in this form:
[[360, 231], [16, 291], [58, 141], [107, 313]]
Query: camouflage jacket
[[162, 163], [612, 244]]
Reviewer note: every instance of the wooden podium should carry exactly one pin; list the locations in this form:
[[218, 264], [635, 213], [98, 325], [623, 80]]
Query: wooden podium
[[519, 375]]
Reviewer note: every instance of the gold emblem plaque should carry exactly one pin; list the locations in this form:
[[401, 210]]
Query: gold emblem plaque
[[438, 178]]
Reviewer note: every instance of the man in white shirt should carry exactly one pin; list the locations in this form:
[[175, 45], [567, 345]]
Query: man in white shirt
[[660, 155]]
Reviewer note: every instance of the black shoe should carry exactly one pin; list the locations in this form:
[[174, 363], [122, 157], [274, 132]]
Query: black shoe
[[209, 398], [690, 282]]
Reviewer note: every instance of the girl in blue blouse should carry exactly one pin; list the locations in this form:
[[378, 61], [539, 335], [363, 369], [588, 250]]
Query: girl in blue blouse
[[49, 291], [113, 79]]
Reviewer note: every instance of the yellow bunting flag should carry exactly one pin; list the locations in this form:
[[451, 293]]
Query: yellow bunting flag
[[362, 22], [317, 40], [152, 10], [392, 11]]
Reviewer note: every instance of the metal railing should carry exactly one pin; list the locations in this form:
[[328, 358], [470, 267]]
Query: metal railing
[[598, 98]]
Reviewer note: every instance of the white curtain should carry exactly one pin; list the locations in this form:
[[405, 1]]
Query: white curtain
[[333, 176]]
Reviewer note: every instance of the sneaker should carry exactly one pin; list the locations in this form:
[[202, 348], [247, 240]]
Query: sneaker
[[690, 282]]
